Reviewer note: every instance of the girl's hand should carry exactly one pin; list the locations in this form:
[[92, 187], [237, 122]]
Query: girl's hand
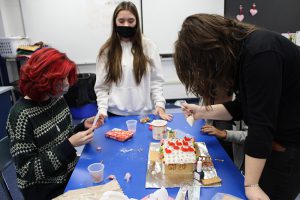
[[88, 123], [211, 130], [82, 137], [162, 114], [191, 109]]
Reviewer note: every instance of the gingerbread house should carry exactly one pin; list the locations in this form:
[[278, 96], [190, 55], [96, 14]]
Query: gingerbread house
[[178, 155]]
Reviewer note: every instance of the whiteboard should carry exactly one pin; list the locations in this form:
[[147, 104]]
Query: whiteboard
[[76, 27], [162, 19]]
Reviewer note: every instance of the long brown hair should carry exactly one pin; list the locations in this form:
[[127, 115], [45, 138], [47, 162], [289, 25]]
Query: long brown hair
[[206, 52], [113, 51]]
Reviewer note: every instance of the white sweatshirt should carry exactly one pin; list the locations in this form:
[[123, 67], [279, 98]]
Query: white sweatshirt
[[128, 98]]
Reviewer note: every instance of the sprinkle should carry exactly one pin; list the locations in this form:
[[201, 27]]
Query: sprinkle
[[125, 150], [98, 148], [220, 160], [127, 177]]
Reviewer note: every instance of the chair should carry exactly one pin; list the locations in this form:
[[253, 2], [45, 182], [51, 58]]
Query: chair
[[5, 162]]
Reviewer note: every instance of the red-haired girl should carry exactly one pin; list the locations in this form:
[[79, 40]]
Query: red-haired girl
[[40, 126]]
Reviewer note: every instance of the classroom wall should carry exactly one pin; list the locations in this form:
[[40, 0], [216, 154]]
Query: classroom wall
[[1, 26], [13, 26], [268, 16], [11, 18]]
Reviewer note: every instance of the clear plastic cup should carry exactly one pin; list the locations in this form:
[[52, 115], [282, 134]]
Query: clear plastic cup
[[96, 171], [131, 125]]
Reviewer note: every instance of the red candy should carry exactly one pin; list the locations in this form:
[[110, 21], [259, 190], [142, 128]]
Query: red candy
[[187, 138], [184, 149], [178, 143], [176, 147], [168, 150], [172, 144]]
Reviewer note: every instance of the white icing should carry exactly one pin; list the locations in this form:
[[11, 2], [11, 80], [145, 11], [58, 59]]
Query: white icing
[[178, 156]]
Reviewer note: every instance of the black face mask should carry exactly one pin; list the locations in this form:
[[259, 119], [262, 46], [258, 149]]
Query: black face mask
[[126, 31]]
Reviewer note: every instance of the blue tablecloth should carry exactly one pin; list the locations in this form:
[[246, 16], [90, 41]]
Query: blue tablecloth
[[118, 161]]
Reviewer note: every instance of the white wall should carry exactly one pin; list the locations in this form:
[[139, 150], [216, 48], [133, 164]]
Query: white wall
[[1, 26], [12, 25], [11, 18]]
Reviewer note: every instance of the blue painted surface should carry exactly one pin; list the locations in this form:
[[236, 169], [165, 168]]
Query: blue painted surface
[[135, 161], [85, 111]]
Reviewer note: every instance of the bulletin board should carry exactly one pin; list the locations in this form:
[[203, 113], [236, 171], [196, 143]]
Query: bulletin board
[[76, 27], [276, 15]]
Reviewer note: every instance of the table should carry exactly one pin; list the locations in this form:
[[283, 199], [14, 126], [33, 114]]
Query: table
[[132, 156]]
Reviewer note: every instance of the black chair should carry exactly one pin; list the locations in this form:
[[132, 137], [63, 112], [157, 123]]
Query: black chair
[[5, 162]]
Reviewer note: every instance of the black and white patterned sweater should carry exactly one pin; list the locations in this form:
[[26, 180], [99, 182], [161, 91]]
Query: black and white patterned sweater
[[40, 147]]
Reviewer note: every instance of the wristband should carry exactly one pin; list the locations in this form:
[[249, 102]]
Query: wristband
[[252, 185]]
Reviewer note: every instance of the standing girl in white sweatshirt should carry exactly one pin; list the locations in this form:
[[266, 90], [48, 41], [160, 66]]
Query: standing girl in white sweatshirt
[[129, 73]]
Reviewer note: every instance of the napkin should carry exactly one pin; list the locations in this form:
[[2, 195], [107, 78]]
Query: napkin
[[160, 194]]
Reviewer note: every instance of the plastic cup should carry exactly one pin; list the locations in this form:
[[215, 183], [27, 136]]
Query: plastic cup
[[159, 129], [131, 125], [96, 171]]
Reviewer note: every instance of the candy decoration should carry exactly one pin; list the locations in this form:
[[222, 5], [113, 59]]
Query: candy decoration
[[185, 143], [168, 150], [184, 149], [191, 149], [178, 143], [98, 149], [240, 17], [172, 144], [111, 177], [127, 177], [144, 120], [253, 10], [176, 147]]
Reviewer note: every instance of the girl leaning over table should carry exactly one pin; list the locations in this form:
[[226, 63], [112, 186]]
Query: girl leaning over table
[[216, 55]]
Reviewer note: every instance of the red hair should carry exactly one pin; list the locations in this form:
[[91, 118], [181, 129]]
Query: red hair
[[44, 71]]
